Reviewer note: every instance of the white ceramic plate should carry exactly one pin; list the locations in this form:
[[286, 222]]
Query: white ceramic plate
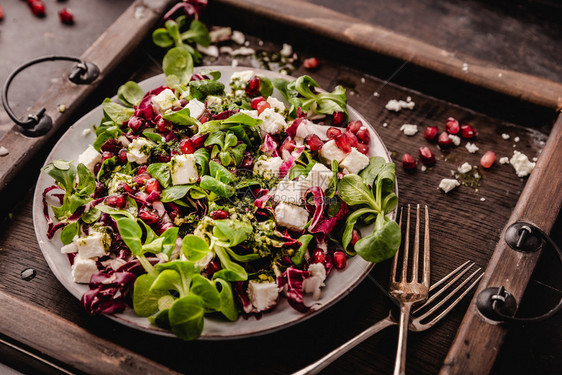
[[338, 284]]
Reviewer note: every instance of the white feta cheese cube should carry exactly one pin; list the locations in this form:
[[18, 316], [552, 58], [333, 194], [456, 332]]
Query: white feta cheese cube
[[90, 157], [354, 162], [330, 151], [471, 147], [250, 112], [183, 169], [307, 127], [268, 167], [315, 281], [291, 216], [409, 129], [68, 249], [139, 150], [448, 184], [290, 191], [196, 108], [277, 105], [93, 245], [165, 101], [263, 295], [238, 37], [272, 122], [465, 168], [83, 269], [320, 176], [521, 164]]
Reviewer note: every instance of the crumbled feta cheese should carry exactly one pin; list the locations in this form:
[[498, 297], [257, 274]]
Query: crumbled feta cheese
[[521, 164], [505, 136], [385, 125], [83, 269], [290, 191], [315, 281], [139, 150], [290, 216], [268, 167], [272, 122], [398, 105], [354, 162], [320, 176], [90, 157], [196, 108], [465, 67], [409, 129], [61, 108], [482, 199], [376, 94], [183, 169], [4, 151], [243, 51], [287, 50], [516, 139], [423, 168], [86, 132], [448, 184], [263, 295], [234, 63], [465, 168], [165, 101], [330, 151], [455, 138], [238, 37], [93, 245], [362, 79], [276, 104], [211, 50], [117, 181], [70, 248], [504, 160], [213, 100], [471, 147], [238, 80]]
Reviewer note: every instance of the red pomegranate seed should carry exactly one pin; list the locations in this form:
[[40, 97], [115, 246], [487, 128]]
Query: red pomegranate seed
[[319, 256], [219, 215], [107, 155], [408, 162], [186, 146], [340, 260], [262, 106], [364, 149], [313, 142], [354, 126], [332, 132], [426, 155], [199, 140], [468, 132], [1, 13], [364, 135], [142, 169], [122, 156], [452, 126], [141, 178], [355, 236], [253, 86], [254, 102], [488, 159], [444, 140], [149, 217], [66, 16], [288, 144], [338, 118], [152, 185], [342, 141], [430, 133], [37, 8], [311, 63], [352, 139], [118, 201], [163, 125]]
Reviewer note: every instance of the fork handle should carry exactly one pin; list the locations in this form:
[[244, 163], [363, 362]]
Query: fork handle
[[400, 364], [323, 362]]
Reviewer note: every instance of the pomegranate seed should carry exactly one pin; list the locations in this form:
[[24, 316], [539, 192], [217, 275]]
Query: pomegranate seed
[[408, 162], [319, 256], [122, 156], [141, 169], [149, 217], [183, 102], [332, 132], [444, 140], [352, 139], [253, 86], [254, 103], [186, 146], [328, 263], [426, 155], [247, 162], [262, 106], [199, 140], [338, 118], [141, 178], [364, 149], [152, 185], [66, 16], [1, 13], [37, 8], [107, 155], [452, 126], [311, 63], [488, 159], [163, 125], [354, 126], [430, 133], [313, 142], [364, 135], [219, 215], [468, 132], [340, 260], [135, 123], [355, 236], [288, 144], [342, 141], [118, 201]]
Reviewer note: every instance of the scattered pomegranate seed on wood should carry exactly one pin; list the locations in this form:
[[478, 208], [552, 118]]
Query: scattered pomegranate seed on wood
[[430, 133], [468, 132], [37, 8], [444, 140], [452, 126], [66, 16], [311, 63], [488, 159], [1, 13], [408, 162], [426, 155]]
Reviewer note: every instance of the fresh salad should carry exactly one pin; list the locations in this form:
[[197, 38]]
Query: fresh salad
[[204, 199]]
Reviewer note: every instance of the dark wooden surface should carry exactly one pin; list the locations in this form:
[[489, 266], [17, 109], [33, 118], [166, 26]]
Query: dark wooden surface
[[463, 227]]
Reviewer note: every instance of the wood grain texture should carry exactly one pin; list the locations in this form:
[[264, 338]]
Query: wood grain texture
[[352, 31], [109, 50], [539, 204]]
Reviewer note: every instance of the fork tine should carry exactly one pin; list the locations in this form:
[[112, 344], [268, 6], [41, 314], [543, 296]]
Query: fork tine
[[454, 303], [416, 250], [395, 259], [426, 249], [406, 247], [434, 286]]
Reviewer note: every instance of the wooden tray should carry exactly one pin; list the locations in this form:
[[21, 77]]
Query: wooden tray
[[50, 324]]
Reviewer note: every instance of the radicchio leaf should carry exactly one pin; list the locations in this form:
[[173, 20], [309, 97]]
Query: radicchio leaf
[[291, 280], [288, 164], [269, 146]]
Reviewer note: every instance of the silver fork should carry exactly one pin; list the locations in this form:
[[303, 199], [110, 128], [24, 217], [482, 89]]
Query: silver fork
[[409, 291]]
